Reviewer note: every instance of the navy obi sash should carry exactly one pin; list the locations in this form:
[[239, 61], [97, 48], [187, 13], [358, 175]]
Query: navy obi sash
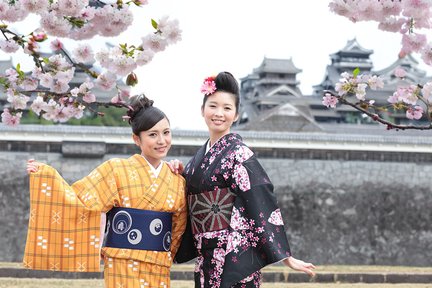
[[211, 210], [138, 229]]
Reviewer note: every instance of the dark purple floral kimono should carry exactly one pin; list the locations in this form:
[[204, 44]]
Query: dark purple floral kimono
[[235, 226]]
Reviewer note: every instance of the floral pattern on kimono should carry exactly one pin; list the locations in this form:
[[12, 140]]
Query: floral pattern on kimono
[[255, 236]]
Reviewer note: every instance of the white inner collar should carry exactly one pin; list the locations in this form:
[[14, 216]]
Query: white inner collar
[[155, 171]]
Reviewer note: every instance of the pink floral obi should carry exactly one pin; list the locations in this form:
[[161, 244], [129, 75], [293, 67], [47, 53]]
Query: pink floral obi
[[211, 210]]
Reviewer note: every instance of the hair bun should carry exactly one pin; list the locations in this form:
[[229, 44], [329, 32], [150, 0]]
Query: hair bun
[[138, 103]]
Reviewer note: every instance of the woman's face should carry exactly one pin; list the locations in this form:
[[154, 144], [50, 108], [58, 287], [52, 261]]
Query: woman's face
[[155, 142], [219, 112]]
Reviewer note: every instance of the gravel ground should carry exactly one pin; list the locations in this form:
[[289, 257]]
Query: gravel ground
[[51, 283]]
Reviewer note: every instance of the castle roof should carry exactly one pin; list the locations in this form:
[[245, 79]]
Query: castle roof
[[270, 65]]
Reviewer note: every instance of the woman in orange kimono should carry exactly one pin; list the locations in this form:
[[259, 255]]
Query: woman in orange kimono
[[145, 205]]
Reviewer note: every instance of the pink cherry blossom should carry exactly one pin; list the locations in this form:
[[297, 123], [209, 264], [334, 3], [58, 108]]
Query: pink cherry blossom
[[11, 119], [9, 46], [413, 42], [54, 25], [38, 105], [29, 84], [330, 100], [427, 90], [394, 98], [70, 7], [375, 82], [106, 81], [170, 29], [17, 100], [360, 91], [59, 86], [83, 54], [12, 13], [154, 42], [144, 57], [89, 97], [35, 6], [408, 94], [426, 54], [74, 92], [56, 45], [414, 112]]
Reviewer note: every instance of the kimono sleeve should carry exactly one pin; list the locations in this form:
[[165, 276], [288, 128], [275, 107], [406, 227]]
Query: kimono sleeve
[[187, 249], [256, 205], [64, 223], [179, 220]]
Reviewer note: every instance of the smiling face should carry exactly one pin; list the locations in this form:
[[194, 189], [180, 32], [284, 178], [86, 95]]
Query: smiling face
[[219, 112], [155, 142]]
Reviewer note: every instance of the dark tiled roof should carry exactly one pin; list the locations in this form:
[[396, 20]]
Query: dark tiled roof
[[277, 66]]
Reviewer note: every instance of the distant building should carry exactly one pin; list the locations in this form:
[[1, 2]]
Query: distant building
[[272, 101], [270, 95]]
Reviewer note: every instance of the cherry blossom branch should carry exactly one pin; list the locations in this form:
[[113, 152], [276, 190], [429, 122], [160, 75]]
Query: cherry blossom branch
[[91, 73], [19, 39], [408, 19], [61, 101], [375, 116]]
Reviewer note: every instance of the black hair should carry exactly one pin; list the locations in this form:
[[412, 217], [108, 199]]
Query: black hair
[[226, 82], [143, 115]]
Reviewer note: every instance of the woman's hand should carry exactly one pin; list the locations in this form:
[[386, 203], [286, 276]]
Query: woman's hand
[[176, 166], [300, 265], [32, 166]]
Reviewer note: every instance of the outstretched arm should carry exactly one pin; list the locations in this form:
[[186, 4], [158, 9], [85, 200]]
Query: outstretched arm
[[300, 265]]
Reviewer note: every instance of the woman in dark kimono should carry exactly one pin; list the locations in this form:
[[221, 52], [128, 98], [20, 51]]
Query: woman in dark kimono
[[235, 227]]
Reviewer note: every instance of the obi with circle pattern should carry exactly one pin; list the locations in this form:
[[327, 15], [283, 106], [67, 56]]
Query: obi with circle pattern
[[131, 228]]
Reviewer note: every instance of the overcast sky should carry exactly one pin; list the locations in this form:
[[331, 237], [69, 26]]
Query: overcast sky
[[235, 36]]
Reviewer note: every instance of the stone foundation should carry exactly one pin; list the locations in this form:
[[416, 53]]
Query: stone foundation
[[338, 209]]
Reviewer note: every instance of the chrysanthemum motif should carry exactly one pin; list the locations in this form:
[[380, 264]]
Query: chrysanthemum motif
[[209, 86], [211, 210]]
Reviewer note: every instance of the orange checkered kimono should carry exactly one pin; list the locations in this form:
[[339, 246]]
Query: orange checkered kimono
[[64, 224]]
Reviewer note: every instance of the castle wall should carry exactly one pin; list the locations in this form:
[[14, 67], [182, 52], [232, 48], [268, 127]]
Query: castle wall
[[339, 207]]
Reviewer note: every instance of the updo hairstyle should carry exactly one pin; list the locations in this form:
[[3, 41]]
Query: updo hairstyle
[[143, 115], [226, 82]]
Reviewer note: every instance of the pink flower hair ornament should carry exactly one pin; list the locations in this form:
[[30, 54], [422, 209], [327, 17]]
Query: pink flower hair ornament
[[209, 86]]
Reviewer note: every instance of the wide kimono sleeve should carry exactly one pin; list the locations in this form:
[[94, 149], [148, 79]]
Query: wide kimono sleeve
[[187, 250], [64, 223], [257, 235], [179, 219]]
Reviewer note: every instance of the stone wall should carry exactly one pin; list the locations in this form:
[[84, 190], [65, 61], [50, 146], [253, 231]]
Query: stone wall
[[356, 212], [338, 209]]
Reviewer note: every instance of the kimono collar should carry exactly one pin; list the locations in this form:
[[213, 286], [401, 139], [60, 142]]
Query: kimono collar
[[155, 171], [208, 146], [233, 135]]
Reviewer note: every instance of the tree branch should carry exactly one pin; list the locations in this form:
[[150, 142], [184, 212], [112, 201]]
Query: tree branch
[[377, 117]]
